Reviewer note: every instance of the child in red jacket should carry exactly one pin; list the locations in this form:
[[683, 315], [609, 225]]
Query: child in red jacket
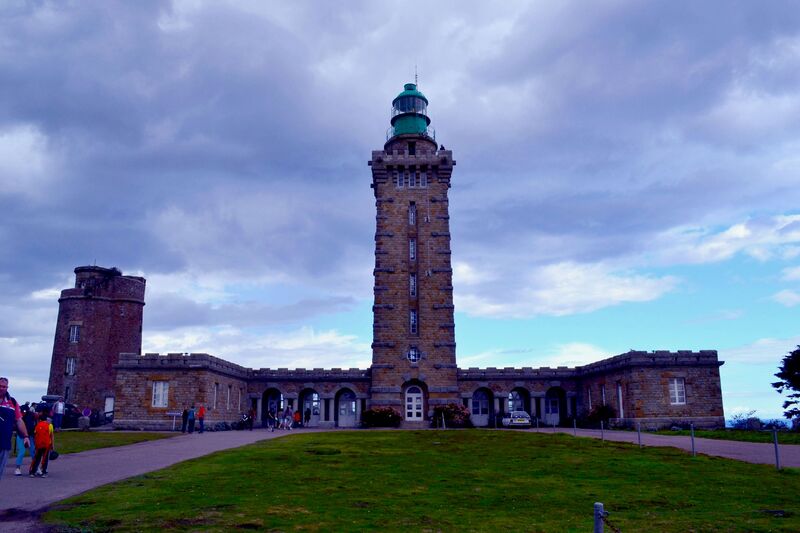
[[43, 440]]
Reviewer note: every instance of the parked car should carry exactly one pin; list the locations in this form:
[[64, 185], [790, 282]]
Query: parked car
[[517, 419]]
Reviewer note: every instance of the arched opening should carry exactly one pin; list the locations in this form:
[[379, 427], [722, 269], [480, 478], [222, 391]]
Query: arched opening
[[271, 403], [310, 407], [555, 406], [345, 413], [482, 409], [519, 400]]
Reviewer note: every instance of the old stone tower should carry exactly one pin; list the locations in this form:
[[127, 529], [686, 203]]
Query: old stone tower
[[98, 319], [413, 350]]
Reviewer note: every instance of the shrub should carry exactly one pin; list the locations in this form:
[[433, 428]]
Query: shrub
[[456, 415], [381, 417], [745, 421], [601, 413]]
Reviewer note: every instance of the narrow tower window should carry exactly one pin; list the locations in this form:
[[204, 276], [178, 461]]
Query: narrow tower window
[[412, 284], [74, 333], [412, 319], [412, 148], [423, 179], [398, 179], [412, 249], [70, 366], [412, 178], [412, 214]]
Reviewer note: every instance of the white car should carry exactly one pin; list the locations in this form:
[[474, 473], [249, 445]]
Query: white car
[[517, 419]]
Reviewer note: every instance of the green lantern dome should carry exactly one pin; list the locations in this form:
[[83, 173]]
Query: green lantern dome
[[410, 113]]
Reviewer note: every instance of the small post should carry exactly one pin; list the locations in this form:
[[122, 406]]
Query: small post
[[537, 423], [574, 428], [639, 432], [777, 453], [599, 513], [554, 426], [444, 425], [602, 432], [691, 428]]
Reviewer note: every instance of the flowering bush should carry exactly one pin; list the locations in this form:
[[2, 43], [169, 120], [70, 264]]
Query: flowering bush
[[381, 417], [456, 415]]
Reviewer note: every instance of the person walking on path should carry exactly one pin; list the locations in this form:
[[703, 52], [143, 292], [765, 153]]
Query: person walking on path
[[10, 416], [29, 419], [58, 413], [184, 419], [191, 419], [201, 416], [287, 417], [43, 437]]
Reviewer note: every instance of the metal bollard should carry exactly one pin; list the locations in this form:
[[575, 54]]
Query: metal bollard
[[777, 453], [639, 431], [691, 428], [599, 513], [602, 432], [574, 428], [537, 423]]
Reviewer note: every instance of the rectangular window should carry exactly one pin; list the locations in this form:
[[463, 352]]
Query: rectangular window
[[74, 333], [412, 319], [412, 284], [399, 180], [71, 366], [228, 401], [423, 179], [589, 396], [677, 391], [412, 249], [412, 178], [160, 393], [239, 403], [603, 394], [619, 400], [216, 390], [412, 148], [412, 214]]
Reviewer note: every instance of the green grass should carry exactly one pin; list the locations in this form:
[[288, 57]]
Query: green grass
[[80, 441], [450, 481], [784, 437]]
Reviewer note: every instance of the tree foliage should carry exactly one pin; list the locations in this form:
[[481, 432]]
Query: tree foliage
[[789, 376]]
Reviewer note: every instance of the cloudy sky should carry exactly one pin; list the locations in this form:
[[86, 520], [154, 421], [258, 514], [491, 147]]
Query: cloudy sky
[[628, 175]]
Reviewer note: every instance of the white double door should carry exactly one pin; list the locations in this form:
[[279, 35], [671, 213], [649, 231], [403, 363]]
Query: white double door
[[414, 404]]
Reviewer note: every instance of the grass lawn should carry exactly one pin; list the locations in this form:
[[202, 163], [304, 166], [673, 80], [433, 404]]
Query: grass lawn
[[784, 437], [472, 480], [80, 441]]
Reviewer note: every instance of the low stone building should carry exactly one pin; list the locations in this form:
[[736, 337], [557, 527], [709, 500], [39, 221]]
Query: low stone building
[[97, 363]]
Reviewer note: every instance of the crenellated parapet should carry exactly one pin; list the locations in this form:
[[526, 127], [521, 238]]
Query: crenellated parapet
[[656, 358], [481, 374]]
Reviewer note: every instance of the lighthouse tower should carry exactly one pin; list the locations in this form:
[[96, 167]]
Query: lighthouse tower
[[413, 350]]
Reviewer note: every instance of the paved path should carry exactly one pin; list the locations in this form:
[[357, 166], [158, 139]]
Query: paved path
[[751, 452], [23, 498]]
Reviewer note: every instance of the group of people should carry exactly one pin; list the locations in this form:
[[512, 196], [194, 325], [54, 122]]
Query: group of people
[[192, 416], [26, 421], [286, 419]]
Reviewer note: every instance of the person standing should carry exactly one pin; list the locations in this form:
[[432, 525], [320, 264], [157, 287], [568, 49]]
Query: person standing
[[43, 437], [10, 416], [251, 415], [297, 418], [58, 413], [201, 416], [191, 419], [29, 419], [184, 419], [307, 416]]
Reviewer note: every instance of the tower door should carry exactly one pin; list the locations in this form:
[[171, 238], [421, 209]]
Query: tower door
[[414, 404], [551, 415]]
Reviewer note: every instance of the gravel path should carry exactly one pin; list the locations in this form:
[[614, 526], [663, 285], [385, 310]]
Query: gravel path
[[750, 452], [22, 499]]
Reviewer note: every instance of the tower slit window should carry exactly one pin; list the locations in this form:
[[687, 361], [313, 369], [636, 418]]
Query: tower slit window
[[412, 178], [412, 249], [413, 322], [423, 179], [412, 285], [412, 214]]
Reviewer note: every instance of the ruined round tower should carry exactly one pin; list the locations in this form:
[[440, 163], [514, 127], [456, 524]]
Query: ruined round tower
[[98, 319]]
